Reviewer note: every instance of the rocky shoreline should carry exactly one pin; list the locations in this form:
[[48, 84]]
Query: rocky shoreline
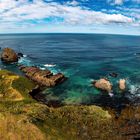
[[30, 119]]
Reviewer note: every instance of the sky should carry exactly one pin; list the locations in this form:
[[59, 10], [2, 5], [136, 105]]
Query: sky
[[70, 16]]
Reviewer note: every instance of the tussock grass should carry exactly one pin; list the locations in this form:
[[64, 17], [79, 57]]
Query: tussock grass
[[26, 119]]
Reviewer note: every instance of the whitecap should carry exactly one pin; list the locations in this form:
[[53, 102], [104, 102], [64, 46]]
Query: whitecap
[[49, 65], [135, 90], [91, 80], [42, 68], [24, 55], [111, 94]]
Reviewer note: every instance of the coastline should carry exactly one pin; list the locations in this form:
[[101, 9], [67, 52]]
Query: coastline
[[75, 122], [67, 122]]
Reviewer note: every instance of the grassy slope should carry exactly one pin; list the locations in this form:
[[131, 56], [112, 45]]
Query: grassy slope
[[28, 120]]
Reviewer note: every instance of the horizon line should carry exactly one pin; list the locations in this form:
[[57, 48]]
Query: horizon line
[[35, 33]]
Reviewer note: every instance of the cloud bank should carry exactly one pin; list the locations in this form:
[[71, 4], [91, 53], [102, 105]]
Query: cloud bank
[[24, 13]]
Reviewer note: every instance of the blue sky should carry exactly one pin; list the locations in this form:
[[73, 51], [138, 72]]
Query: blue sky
[[70, 16]]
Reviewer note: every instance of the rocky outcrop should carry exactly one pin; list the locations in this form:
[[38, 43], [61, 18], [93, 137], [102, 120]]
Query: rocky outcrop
[[103, 84], [43, 77], [9, 55], [122, 84]]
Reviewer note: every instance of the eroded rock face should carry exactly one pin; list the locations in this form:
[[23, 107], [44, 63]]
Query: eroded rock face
[[43, 77], [122, 84], [9, 55], [103, 84]]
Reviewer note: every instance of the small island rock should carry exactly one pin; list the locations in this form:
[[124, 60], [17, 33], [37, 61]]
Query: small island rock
[[122, 84], [9, 55], [103, 84]]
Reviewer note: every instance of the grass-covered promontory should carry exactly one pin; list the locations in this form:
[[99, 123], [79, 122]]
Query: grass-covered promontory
[[22, 118], [14, 87]]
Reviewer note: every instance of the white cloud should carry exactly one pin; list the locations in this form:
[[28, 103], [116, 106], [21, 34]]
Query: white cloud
[[72, 3], [115, 2], [22, 10], [118, 2]]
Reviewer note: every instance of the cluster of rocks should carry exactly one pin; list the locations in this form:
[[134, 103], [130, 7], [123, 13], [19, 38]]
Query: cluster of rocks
[[46, 77], [41, 77], [105, 84]]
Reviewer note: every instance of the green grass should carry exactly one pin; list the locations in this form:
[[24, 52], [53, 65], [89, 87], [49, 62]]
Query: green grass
[[27, 119]]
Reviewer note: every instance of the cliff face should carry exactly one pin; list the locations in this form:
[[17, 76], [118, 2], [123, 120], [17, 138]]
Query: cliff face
[[22, 118]]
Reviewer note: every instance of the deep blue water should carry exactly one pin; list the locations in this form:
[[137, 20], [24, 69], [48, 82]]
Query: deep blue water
[[82, 58]]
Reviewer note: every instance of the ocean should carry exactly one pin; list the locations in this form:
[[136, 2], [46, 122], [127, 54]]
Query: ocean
[[82, 58]]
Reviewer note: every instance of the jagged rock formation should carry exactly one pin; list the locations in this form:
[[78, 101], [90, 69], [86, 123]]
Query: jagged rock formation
[[43, 77]]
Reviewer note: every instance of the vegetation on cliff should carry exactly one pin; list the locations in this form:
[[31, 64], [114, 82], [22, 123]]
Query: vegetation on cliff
[[22, 118]]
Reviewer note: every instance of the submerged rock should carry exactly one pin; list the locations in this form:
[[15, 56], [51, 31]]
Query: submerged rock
[[113, 74], [43, 77], [103, 84], [122, 84], [9, 55]]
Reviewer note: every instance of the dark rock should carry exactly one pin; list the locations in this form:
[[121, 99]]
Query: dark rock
[[20, 55], [9, 55], [113, 74], [42, 77]]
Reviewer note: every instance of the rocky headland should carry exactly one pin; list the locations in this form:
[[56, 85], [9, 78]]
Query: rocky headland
[[23, 118]]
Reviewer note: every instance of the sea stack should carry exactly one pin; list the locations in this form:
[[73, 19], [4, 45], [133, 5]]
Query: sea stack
[[9, 55], [122, 84], [103, 84]]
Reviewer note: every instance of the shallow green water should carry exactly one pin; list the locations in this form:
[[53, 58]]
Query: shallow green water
[[82, 58]]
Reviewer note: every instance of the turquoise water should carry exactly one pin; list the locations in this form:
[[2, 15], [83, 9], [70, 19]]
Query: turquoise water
[[82, 58]]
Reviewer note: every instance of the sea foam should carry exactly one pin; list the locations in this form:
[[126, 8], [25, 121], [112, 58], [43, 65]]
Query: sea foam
[[49, 65], [24, 61]]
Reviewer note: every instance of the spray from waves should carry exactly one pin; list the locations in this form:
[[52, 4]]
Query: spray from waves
[[24, 61], [24, 55], [135, 90]]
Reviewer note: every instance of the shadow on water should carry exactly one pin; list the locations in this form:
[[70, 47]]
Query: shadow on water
[[117, 103]]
